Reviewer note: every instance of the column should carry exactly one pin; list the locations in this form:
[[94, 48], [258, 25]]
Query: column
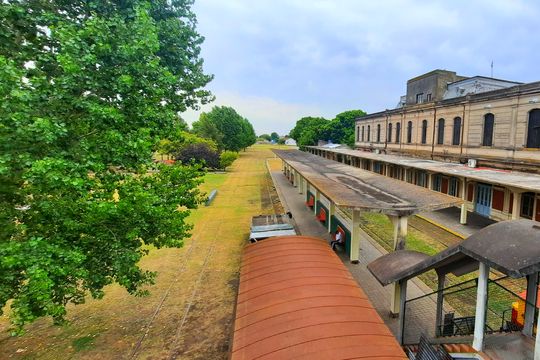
[[463, 216], [402, 286], [300, 183], [400, 230], [441, 278], [481, 304], [430, 181], [355, 237], [331, 212], [530, 308], [516, 206], [317, 197]]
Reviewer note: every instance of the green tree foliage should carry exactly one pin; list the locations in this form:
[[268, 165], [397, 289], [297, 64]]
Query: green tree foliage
[[87, 89], [236, 133], [227, 158], [274, 136], [340, 130], [307, 130], [265, 137]]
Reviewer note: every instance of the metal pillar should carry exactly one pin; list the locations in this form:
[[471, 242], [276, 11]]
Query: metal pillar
[[331, 212], [481, 305], [355, 237], [430, 181], [317, 197], [441, 278], [402, 286], [463, 216], [530, 302]]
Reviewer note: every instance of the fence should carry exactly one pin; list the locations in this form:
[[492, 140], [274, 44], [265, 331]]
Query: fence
[[455, 314]]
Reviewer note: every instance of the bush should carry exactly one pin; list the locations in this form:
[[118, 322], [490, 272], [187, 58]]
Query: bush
[[200, 153], [227, 158]]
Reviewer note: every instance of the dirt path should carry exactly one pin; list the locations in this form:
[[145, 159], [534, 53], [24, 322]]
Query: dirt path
[[189, 312]]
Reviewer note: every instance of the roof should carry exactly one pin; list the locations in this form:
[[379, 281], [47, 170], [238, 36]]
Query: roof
[[511, 247], [354, 188], [515, 179], [297, 300]]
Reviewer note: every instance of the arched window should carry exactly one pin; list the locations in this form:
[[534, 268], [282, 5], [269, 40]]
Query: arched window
[[409, 132], [362, 133], [533, 131], [389, 138], [456, 133], [487, 138], [369, 133], [440, 132], [424, 132], [398, 132], [378, 133]]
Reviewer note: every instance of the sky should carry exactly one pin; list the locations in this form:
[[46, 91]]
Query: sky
[[275, 61]]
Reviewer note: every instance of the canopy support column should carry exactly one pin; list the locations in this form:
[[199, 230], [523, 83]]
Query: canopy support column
[[317, 197], [400, 230], [463, 217], [516, 206], [530, 302], [299, 182], [402, 286], [331, 213], [441, 278], [355, 237], [481, 305]]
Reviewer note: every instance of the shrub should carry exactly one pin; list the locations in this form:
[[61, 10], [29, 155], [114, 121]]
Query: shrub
[[200, 153], [227, 158]]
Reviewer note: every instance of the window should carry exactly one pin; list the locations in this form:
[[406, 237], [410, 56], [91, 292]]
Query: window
[[487, 138], [424, 132], [533, 132], [358, 133], [419, 98], [409, 132], [456, 134], [527, 205], [378, 133], [428, 97], [389, 138], [440, 132], [369, 133], [437, 182], [454, 187], [398, 132], [362, 133], [377, 167]]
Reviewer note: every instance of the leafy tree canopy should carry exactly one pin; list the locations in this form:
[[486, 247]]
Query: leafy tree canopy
[[265, 137], [87, 89], [274, 136], [235, 132], [307, 130]]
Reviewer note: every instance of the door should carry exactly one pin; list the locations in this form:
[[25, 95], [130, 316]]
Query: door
[[483, 199], [533, 133]]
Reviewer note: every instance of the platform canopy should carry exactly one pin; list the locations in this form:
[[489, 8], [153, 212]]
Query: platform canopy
[[350, 187], [522, 180], [511, 247]]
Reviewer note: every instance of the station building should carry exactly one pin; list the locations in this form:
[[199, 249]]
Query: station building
[[475, 138]]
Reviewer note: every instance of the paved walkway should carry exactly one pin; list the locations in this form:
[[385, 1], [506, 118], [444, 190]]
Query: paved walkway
[[380, 296], [450, 218]]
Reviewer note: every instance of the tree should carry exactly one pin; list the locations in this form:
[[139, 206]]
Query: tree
[[87, 90], [265, 137], [237, 132], [205, 128], [274, 137], [341, 129], [307, 130], [227, 158]]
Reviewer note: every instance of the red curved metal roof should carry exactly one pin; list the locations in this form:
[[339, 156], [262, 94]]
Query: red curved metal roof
[[297, 300]]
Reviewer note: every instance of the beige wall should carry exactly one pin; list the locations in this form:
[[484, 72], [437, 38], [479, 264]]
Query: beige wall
[[509, 133]]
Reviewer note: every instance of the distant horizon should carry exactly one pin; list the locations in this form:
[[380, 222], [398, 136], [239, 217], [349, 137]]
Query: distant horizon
[[275, 62]]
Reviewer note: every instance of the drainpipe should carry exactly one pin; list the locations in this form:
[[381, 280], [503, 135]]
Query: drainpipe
[[434, 125]]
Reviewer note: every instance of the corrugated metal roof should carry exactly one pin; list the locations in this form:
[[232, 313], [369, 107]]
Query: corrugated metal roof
[[297, 300]]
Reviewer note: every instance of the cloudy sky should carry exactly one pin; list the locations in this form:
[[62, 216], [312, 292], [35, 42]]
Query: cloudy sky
[[275, 61]]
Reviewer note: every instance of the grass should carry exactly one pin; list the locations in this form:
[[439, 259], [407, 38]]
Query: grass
[[200, 277]]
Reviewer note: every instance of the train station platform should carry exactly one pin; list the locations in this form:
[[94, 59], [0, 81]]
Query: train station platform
[[307, 224]]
